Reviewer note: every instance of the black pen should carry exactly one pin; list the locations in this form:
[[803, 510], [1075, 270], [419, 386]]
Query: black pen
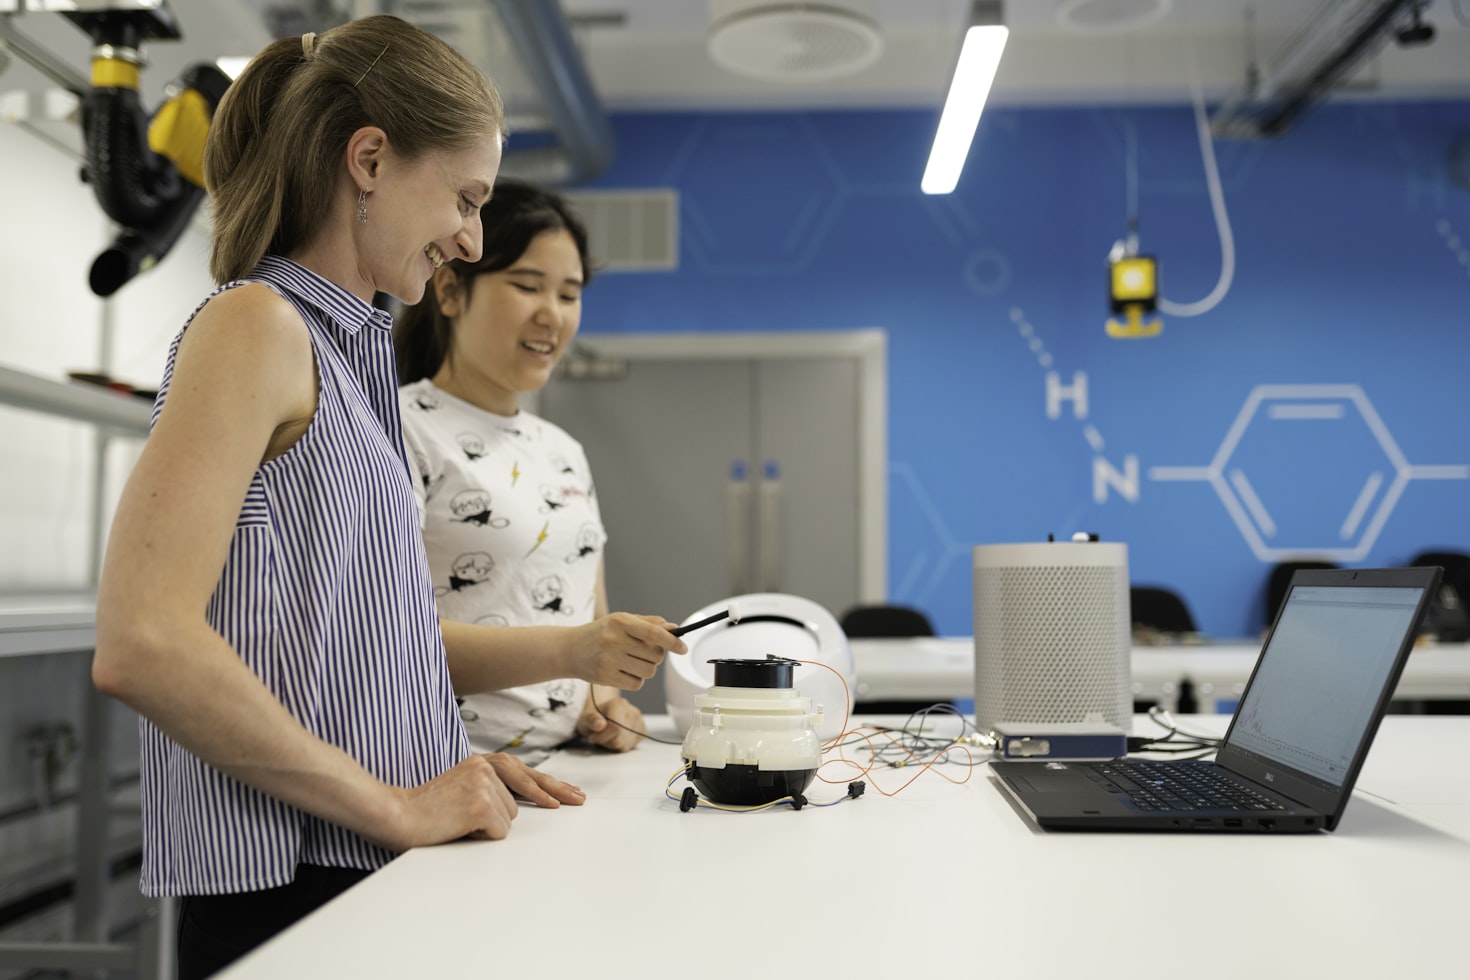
[[729, 613]]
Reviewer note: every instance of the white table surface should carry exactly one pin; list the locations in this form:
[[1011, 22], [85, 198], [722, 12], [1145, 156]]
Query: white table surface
[[938, 877], [943, 668]]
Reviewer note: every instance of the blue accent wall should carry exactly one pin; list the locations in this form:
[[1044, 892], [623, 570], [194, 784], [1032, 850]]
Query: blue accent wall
[[1321, 408]]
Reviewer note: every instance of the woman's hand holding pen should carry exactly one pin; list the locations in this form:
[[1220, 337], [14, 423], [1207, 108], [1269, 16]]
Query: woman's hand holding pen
[[622, 650]]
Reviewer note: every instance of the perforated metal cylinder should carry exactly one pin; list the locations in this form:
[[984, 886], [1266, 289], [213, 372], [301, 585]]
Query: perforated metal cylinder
[[1052, 636]]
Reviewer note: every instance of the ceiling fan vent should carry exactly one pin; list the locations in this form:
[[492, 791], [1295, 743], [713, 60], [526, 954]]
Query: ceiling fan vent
[[795, 42]]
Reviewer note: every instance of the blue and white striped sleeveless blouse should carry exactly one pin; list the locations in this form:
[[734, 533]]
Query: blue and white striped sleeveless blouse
[[326, 596]]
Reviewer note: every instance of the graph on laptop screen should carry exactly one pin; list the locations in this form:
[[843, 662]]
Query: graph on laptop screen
[[1320, 676]]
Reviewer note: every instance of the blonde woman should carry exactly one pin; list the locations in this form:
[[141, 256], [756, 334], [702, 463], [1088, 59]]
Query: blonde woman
[[264, 602]]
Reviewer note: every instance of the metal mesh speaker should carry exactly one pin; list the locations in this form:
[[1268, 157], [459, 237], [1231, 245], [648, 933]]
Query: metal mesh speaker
[[1052, 637]]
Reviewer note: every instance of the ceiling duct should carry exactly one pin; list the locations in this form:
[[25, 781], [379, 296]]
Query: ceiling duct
[[1332, 46], [536, 33], [542, 39]]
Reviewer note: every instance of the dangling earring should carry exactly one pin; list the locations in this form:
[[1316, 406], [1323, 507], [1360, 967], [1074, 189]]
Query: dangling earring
[[362, 207]]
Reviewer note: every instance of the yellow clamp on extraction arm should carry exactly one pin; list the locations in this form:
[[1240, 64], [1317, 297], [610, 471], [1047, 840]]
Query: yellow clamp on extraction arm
[[177, 132], [114, 73]]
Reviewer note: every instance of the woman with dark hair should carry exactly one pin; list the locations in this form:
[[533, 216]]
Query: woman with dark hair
[[510, 516], [264, 603]]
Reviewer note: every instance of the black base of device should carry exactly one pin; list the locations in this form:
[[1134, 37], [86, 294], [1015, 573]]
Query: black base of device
[[745, 785]]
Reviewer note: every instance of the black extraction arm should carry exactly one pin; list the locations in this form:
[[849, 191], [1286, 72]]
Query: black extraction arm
[[146, 171]]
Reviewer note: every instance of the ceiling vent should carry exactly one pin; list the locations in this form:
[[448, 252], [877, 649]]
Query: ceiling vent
[[795, 42]]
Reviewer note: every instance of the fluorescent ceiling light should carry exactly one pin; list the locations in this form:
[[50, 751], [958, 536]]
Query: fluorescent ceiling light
[[968, 90]]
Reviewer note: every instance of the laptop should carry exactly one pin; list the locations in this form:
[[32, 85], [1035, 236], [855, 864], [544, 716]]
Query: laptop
[[1299, 734]]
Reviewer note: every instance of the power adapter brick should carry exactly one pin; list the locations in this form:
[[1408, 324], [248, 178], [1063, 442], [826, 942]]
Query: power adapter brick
[[1062, 742]]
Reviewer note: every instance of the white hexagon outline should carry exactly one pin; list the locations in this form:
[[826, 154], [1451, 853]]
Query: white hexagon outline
[[823, 219], [1214, 473]]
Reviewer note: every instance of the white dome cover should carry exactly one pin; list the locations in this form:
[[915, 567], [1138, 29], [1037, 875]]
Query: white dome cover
[[770, 624]]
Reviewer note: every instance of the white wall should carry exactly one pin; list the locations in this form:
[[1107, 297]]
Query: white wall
[[51, 228], [51, 323]]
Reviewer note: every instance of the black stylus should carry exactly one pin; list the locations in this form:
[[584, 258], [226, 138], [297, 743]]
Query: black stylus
[[727, 613]]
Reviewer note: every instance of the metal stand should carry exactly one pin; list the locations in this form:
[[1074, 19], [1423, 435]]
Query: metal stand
[[152, 955]]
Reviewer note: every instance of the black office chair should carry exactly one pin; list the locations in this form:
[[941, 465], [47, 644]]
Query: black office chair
[[1157, 608], [880, 621], [885, 621], [1456, 565], [1449, 617], [1280, 579]]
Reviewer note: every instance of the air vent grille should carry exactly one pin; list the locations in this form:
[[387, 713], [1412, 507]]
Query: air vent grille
[[630, 230]]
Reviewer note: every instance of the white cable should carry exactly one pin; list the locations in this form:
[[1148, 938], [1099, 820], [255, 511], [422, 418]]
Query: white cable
[[1217, 206]]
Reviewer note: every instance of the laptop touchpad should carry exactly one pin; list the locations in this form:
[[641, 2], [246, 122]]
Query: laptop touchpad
[[1045, 781]]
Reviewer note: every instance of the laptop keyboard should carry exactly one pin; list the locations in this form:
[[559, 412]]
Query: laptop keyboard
[[1177, 785]]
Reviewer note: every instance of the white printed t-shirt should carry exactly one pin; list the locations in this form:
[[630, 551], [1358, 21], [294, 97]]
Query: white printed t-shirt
[[514, 538]]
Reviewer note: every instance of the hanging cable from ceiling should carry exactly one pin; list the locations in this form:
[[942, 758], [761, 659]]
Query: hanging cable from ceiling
[[1134, 276], [1217, 208]]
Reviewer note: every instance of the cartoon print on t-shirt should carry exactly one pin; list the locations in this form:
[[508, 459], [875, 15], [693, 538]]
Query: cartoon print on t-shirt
[[554, 498], [518, 741], [472, 444], [588, 539], [549, 595], [473, 507], [430, 482], [559, 464], [426, 401], [513, 429], [540, 538], [551, 498], [469, 569], [559, 694]]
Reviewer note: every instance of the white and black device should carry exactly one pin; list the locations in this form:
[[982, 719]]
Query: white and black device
[[754, 737], [761, 625]]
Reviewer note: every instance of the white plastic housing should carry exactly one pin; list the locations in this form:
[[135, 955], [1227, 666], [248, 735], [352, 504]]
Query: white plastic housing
[[773, 729]]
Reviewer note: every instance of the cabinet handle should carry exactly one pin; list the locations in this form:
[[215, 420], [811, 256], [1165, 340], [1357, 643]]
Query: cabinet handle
[[770, 526], [738, 522]]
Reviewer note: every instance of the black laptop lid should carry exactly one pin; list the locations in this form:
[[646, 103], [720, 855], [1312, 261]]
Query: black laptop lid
[[1324, 679]]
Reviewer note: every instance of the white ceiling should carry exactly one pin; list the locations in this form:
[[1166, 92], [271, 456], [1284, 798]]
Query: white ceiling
[[652, 54], [1060, 51]]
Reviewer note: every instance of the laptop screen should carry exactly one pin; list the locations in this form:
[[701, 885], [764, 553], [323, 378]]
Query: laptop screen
[[1320, 677]]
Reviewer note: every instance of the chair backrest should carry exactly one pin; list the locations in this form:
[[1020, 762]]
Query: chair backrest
[[1456, 565], [1278, 581], [1449, 615], [885, 620], [1158, 608]]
